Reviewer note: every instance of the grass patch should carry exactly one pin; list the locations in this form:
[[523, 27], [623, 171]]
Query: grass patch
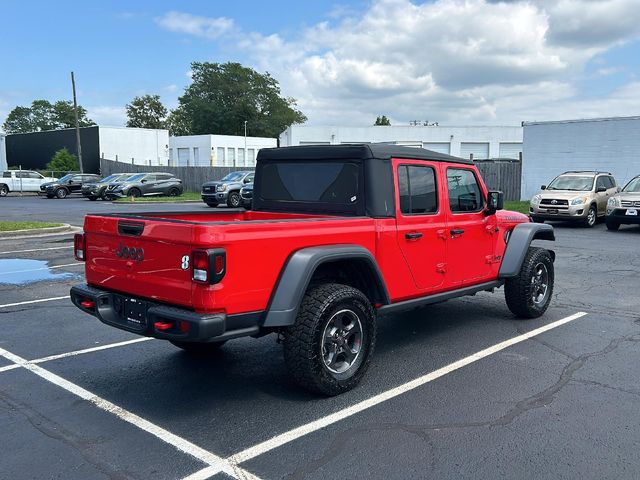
[[6, 226], [517, 206], [186, 196]]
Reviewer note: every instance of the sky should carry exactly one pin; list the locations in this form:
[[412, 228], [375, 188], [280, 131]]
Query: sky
[[455, 62]]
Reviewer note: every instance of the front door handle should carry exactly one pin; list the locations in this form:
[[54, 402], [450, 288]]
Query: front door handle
[[413, 235], [455, 233]]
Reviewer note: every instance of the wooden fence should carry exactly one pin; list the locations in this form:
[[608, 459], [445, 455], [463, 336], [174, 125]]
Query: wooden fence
[[504, 175], [192, 177]]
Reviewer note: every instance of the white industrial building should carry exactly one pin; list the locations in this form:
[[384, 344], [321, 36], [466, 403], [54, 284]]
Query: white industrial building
[[604, 144], [3, 153], [141, 146], [216, 150], [481, 142]]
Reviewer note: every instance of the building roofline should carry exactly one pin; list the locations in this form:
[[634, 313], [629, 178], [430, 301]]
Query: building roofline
[[404, 126], [580, 120]]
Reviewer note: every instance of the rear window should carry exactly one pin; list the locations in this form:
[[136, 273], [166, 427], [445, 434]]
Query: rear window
[[334, 183]]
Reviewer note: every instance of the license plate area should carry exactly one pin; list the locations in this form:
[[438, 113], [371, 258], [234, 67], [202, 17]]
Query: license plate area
[[632, 212], [552, 211], [131, 312]]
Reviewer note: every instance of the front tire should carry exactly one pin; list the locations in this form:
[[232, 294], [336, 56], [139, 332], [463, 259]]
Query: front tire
[[592, 217], [198, 347], [174, 192], [528, 295], [93, 199], [537, 220], [4, 190], [62, 193], [613, 226], [212, 204], [329, 347], [135, 193], [234, 200]]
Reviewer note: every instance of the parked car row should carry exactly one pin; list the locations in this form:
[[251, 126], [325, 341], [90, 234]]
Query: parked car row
[[22, 181], [228, 190], [586, 197]]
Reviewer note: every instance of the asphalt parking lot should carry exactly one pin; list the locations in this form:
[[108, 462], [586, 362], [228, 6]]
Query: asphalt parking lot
[[460, 389]]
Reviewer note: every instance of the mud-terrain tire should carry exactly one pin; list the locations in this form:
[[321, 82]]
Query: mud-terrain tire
[[613, 226], [528, 295], [198, 347], [233, 200], [329, 347]]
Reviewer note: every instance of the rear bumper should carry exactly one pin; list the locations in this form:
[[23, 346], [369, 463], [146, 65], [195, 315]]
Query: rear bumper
[[162, 321]]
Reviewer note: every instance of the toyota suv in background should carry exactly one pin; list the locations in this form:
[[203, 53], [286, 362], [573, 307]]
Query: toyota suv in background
[[624, 207], [22, 181], [226, 190], [578, 196], [145, 184], [71, 183], [94, 191]]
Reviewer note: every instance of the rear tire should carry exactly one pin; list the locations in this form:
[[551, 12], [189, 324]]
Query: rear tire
[[4, 190], [329, 347], [61, 193], [198, 347], [234, 200], [174, 192], [613, 226], [93, 199], [528, 295]]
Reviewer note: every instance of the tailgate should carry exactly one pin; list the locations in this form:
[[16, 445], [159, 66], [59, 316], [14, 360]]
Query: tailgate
[[140, 257]]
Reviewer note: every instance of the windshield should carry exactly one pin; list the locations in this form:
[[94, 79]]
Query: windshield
[[571, 182], [67, 177], [110, 178], [233, 177], [633, 186], [136, 178]]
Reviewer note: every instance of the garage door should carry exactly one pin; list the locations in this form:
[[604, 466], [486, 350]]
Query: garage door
[[510, 150], [183, 157], [437, 147], [480, 151]]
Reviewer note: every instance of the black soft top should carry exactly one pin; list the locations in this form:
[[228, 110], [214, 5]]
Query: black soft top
[[361, 151]]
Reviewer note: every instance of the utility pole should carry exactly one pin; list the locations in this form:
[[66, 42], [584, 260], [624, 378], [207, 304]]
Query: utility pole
[[75, 112], [246, 155]]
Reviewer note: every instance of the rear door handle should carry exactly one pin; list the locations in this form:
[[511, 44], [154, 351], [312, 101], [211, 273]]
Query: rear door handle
[[413, 235], [455, 233]]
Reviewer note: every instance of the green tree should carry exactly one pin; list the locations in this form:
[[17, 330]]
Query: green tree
[[382, 121], [146, 112], [63, 161], [223, 95], [44, 115]]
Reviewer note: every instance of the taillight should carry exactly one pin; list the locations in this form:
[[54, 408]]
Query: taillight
[[79, 247], [208, 266]]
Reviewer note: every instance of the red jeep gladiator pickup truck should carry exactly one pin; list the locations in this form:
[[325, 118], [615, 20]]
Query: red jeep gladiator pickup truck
[[338, 235]]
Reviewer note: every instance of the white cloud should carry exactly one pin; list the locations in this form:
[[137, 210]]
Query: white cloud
[[211, 28], [107, 115], [452, 61]]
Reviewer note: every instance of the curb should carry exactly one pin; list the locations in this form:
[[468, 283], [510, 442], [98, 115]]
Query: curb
[[36, 231]]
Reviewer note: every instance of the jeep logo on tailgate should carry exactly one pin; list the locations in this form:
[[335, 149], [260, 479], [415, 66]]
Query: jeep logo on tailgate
[[131, 253]]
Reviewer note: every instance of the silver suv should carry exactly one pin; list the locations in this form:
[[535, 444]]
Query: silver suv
[[624, 208], [579, 196], [226, 190]]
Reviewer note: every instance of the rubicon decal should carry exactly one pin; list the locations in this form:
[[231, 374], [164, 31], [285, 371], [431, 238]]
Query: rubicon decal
[[131, 253]]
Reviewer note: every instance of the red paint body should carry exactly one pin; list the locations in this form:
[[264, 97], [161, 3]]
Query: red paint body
[[258, 245]]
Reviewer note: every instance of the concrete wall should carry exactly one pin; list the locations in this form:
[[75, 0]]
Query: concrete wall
[[217, 150], [405, 135], [3, 153], [144, 146], [550, 148]]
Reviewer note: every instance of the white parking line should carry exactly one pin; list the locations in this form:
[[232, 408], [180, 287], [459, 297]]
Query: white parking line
[[296, 433], [90, 350], [166, 436], [35, 250], [29, 302], [77, 264]]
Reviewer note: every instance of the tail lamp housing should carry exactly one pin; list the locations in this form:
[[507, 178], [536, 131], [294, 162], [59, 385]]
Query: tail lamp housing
[[208, 266], [79, 247]]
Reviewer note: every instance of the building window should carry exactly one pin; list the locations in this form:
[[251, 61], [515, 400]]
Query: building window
[[231, 156], [221, 158], [510, 150], [477, 151], [251, 157], [438, 147], [241, 157], [183, 157]]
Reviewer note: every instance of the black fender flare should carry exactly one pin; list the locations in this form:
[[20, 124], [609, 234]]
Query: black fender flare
[[519, 241], [298, 271]]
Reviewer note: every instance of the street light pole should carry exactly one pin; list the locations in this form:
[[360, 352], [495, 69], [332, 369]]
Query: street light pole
[[75, 111], [246, 155]]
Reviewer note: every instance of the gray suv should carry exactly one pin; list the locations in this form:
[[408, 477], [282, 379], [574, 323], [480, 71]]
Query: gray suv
[[624, 208], [145, 184], [226, 190]]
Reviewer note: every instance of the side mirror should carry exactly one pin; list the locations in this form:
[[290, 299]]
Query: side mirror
[[143, 181], [543, 187], [495, 202], [601, 189], [618, 189]]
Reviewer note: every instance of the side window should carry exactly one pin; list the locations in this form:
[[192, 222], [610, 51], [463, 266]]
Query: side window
[[6, 174], [600, 182], [417, 189], [611, 182], [22, 174], [150, 178], [465, 194], [77, 179], [35, 176], [249, 179]]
